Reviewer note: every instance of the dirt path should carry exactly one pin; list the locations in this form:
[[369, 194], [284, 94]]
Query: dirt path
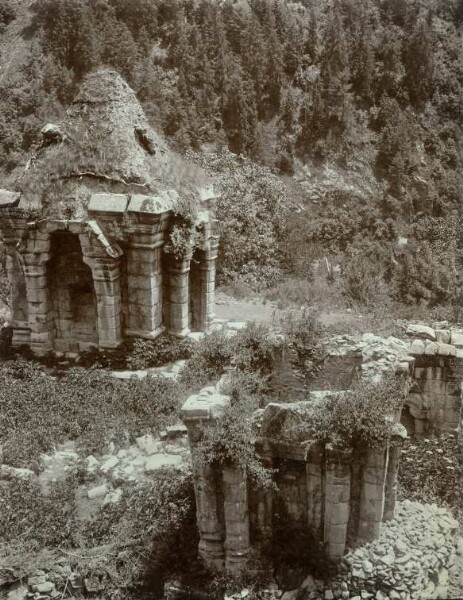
[[245, 310]]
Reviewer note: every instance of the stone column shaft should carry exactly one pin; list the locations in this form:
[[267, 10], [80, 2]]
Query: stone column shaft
[[210, 524], [314, 473], [106, 281], [337, 500], [144, 282], [177, 296], [18, 294], [202, 283], [35, 253], [372, 495], [108, 297], [237, 543]]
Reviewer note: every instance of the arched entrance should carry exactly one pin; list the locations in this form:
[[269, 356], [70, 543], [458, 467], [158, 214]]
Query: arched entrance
[[72, 295]]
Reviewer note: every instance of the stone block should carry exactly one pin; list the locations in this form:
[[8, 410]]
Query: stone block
[[160, 461], [98, 492], [177, 295], [421, 332], [443, 336], [453, 388], [164, 202], [338, 493], [41, 338], [417, 347], [431, 348], [338, 513], [9, 199], [446, 349], [37, 283], [116, 203], [336, 534], [456, 339], [208, 403]]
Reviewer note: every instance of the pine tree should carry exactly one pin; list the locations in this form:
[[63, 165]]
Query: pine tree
[[418, 61]]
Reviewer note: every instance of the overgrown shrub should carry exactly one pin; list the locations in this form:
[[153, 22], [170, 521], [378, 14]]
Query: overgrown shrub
[[210, 357], [430, 471], [156, 523], [230, 439], [357, 418], [27, 514], [38, 410], [161, 351], [253, 349], [303, 333]]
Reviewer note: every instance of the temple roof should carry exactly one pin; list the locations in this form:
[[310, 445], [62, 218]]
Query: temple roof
[[104, 145]]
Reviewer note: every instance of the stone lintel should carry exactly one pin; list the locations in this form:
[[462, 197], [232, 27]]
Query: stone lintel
[[9, 199], [207, 404], [113, 203], [163, 202]]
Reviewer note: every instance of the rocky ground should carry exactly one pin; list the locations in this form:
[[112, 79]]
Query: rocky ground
[[419, 556]]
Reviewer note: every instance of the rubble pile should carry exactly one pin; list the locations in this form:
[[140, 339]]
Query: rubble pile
[[412, 557]]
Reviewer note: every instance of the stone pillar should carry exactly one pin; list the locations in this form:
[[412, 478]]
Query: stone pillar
[[210, 521], [106, 274], [202, 286], [314, 473], [372, 495], [144, 282], [395, 451], [35, 253], [18, 294], [337, 500], [198, 410], [177, 295], [237, 543], [264, 500]]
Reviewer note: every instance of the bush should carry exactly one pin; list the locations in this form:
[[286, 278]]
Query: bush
[[39, 410], [253, 349], [303, 335], [230, 439], [361, 417], [37, 519], [156, 521], [430, 471], [211, 356], [161, 351]]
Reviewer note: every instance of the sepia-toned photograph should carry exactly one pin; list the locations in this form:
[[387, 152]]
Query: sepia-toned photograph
[[231, 299]]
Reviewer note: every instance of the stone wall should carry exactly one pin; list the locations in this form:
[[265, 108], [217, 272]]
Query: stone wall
[[98, 280], [433, 357], [341, 497]]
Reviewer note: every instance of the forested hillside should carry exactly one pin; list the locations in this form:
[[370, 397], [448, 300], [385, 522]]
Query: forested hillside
[[371, 88]]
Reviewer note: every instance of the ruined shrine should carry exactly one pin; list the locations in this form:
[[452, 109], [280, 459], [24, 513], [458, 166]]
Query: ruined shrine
[[109, 234]]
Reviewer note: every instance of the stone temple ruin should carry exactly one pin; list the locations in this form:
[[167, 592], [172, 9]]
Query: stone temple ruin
[[342, 496], [86, 227]]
